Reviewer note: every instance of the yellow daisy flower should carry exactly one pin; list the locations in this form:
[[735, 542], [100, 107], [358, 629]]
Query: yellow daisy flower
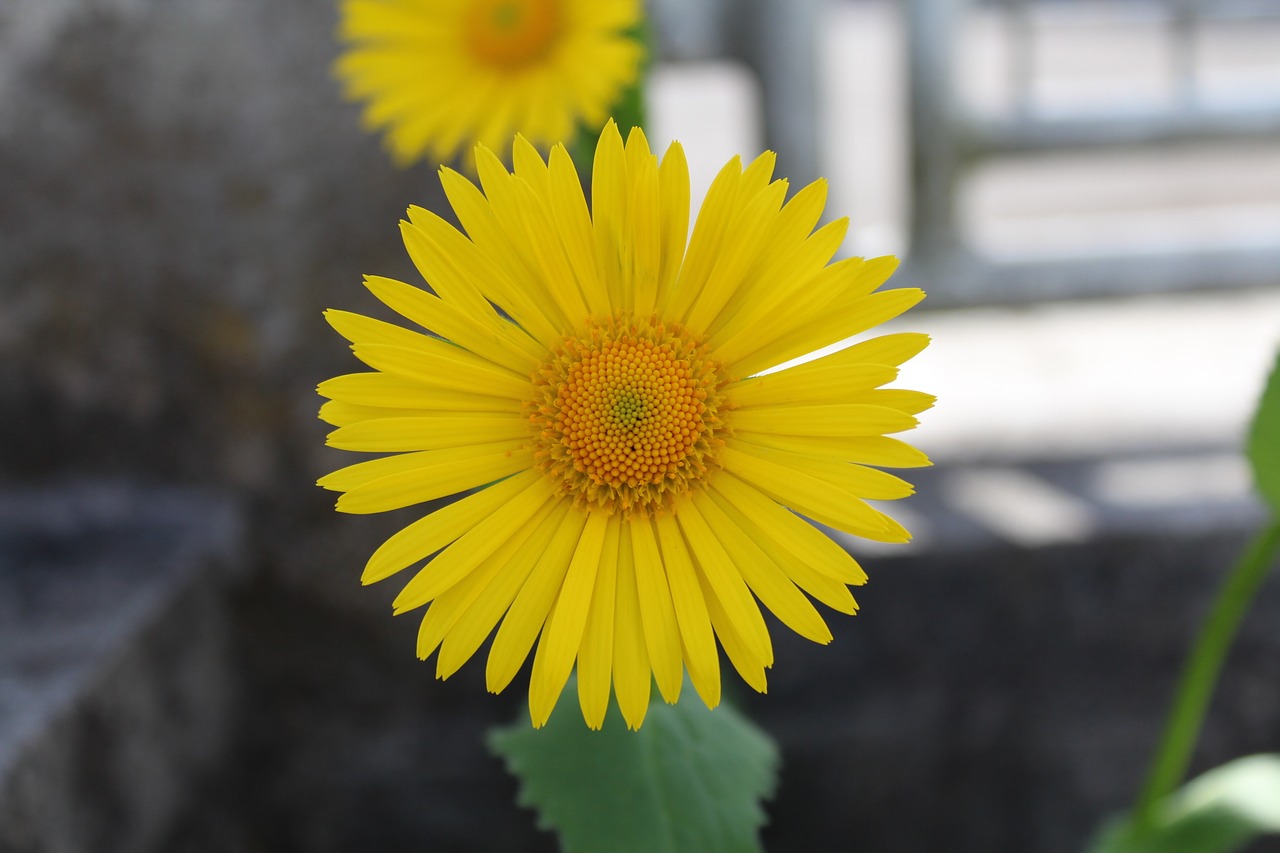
[[638, 479], [442, 75]]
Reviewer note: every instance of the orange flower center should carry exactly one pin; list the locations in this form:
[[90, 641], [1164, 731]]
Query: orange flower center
[[627, 416], [510, 34]]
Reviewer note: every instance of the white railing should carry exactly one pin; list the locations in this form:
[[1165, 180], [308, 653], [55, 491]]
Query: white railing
[[949, 139]]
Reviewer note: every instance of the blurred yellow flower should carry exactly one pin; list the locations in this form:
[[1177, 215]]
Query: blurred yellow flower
[[635, 472], [440, 76]]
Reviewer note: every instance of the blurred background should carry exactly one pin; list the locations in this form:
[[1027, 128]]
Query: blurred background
[[1089, 191]]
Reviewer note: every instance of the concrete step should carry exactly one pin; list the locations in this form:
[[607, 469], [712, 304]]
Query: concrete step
[[116, 692]]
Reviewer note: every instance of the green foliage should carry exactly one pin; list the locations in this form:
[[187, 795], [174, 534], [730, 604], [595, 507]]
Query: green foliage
[[1264, 442], [1218, 812], [689, 779]]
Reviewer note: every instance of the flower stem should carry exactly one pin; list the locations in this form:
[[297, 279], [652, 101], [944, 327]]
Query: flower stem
[[1200, 675]]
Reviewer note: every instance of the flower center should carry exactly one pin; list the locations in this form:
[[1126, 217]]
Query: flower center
[[626, 415], [510, 34]]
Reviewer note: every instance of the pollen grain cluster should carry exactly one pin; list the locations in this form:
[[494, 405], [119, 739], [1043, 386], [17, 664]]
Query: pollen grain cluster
[[627, 415]]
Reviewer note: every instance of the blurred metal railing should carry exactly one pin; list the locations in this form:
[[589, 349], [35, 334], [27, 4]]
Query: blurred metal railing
[[776, 39], [948, 138]]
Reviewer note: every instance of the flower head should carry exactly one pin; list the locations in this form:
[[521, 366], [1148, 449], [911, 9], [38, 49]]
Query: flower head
[[635, 482], [441, 75]]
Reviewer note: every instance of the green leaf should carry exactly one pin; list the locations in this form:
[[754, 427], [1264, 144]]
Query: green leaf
[[1218, 812], [1264, 441], [689, 779]]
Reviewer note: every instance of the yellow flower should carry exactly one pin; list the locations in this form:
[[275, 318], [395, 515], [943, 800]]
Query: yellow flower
[[600, 387], [442, 75]]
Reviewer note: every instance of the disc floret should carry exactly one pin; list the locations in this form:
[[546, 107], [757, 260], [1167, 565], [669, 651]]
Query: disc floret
[[627, 417]]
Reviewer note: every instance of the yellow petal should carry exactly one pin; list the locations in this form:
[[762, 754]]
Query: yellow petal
[[608, 205], [701, 657], [573, 222], [673, 198], [436, 473], [340, 414], [818, 381], [632, 676], [444, 258], [708, 230], [553, 264], [562, 635], [835, 292], [839, 319], [738, 251], [529, 611], [796, 539], [362, 473], [840, 283], [724, 579], [499, 341], [812, 497], [444, 366], [661, 630], [744, 660], [429, 432], [360, 329], [769, 583], [773, 533], [477, 621], [515, 249], [429, 534], [790, 232], [457, 560], [528, 164], [447, 609], [872, 450], [644, 244], [464, 271], [776, 279], [855, 479], [908, 402], [886, 349], [846, 420], [490, 246], [595, 656], [757, 174], [396, 392], [637, 149]]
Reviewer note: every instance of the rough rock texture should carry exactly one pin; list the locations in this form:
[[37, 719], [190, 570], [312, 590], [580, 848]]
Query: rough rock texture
[[987, 698], [349, 744], [184, 193], [1000, 699], [116, 688]]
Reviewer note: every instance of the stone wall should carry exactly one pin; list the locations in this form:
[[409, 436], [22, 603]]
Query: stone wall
[[117, 686], [985, 700], [184, 192]]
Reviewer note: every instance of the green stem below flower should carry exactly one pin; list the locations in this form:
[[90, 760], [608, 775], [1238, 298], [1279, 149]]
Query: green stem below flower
[[1200, 675]]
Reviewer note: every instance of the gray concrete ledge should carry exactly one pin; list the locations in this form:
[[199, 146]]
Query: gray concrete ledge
[[115, 688], [993, 695]]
